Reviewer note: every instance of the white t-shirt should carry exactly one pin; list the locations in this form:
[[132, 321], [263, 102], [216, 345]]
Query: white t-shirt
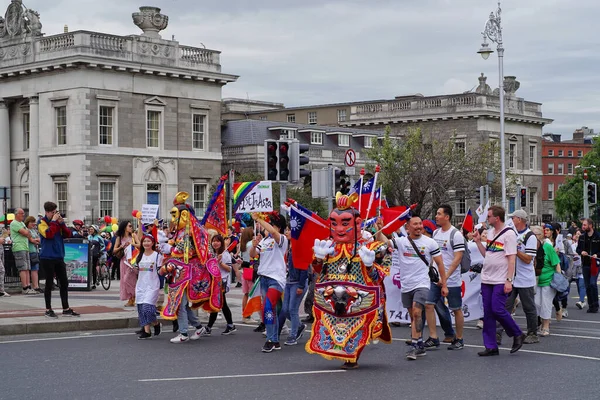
[[272, 259], [559, 243], [525, 273], [443, 240], [148, 284], [225, 275], [414, 274], [476, 257], [246, 254]]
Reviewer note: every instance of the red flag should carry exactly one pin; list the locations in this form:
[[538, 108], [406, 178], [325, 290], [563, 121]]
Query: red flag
[[306, 226], [392, 216], [468, 222]]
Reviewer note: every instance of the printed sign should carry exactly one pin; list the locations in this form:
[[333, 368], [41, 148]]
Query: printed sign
[[77, 262], [350, 158], [249, 197], [149, 213]]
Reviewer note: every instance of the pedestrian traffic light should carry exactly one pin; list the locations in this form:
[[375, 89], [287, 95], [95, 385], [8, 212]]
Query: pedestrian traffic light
[[523, 197], [284, 161], [297, 160], [591, 193]]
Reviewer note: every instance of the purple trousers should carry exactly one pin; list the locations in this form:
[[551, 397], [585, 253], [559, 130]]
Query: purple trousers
[[494, 310]]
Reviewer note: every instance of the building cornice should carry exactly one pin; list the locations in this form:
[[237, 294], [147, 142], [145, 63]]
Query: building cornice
[[448, 117]]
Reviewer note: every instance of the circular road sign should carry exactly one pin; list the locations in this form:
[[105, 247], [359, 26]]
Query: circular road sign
[[350, 158]]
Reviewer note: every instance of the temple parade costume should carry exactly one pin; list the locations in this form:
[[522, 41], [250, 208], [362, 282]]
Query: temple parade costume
[[349, 306]]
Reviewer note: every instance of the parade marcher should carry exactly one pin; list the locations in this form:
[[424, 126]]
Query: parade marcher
[[247, 272], [147, 286], [220, 252], [126, 239], [545, 294], [588, 248], [53, 231], [576, 272], [497, 277], [349, 303]]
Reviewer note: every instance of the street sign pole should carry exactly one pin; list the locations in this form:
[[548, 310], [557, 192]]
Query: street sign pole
[[329, 188]]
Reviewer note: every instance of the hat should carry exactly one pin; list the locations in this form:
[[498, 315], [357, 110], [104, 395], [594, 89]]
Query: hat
[[79, 222], [569, 235], [520, 214], [94, 227]]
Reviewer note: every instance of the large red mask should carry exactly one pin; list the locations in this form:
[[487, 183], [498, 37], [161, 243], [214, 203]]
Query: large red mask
[[345, 221]]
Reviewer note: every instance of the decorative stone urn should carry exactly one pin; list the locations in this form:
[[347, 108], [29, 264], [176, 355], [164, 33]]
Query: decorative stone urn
[[511, 85], [150, 21]]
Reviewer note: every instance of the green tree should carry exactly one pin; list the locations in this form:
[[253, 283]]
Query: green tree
[[430, 170], [569, 197]]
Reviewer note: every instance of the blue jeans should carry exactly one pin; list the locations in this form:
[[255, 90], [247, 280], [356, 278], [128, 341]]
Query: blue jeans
[[186, 316], [581, 289], [435, 297], [271, 294], [290, 308]]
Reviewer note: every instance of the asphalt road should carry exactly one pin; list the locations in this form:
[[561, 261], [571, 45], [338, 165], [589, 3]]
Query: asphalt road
[[115, 365]]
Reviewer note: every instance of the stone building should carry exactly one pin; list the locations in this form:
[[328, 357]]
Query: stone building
[[472, 116], [102, 124]]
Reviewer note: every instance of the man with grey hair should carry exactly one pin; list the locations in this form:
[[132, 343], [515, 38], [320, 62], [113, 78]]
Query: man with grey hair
[[20, 235], [524, 281]]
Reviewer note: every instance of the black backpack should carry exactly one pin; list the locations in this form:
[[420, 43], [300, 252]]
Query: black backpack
[[538, 262]]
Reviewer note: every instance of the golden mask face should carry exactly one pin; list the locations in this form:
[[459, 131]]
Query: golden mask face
[[179, 218]]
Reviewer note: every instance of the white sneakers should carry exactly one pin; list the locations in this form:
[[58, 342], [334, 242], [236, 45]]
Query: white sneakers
[[480, 324], [180, 339], [198, 333], [581, 304]]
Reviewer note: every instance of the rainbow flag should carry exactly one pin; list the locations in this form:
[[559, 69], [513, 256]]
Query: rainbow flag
[[254, 300], [241, 190]]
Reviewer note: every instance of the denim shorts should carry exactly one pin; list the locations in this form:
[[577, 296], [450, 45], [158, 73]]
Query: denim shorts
[[22, 260], [454, 296]]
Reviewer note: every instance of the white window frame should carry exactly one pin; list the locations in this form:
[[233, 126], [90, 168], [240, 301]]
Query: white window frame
[[115, 121], [204, 133], [551, 191], [369, 142], [341, 115], [570, 153], [161, 125], [344, 140], [461, 204], [512, 155], [58, 107], [561, 153], [26, 130], [569, 169], [560, 170], [461, 144], [579, 153], [532, 157], [115, 206], [550, 153], [62, 209], [550, 169], [311, 117], [316, 138], [291, 118], [287, 134], [199, 210], [532, 202]]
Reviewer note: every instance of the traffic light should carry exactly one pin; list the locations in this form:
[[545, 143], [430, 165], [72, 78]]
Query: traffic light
[[591, 193], [523, 196], [297, 160], [271, 160], [284, 161], [341, 181]]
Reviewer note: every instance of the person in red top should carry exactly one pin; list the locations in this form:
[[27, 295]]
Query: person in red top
[[53, 230]]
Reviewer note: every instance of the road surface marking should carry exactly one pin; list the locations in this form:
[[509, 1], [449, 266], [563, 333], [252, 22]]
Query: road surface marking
[[195, 378], [553, 334], [83, 336]]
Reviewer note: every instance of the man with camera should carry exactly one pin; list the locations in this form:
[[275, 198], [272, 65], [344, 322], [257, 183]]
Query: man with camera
[[53, 231]]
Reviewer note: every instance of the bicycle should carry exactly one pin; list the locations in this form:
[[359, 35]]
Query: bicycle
[[104, 275]]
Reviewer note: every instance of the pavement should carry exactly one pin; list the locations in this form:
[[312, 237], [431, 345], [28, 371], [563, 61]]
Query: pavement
[[100, 309]]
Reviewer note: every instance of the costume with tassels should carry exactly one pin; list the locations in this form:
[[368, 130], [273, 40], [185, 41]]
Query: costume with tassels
[[349, 305], [190, 268]]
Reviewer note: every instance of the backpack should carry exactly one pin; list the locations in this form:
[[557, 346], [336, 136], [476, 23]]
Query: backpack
[[465, 262], [538, 262]]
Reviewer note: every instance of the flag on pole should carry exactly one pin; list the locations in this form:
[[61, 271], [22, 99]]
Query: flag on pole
[[468, 222], [394, 218], [482, 212], [215, 216], [365, 197], [305, 226], [254, 300]]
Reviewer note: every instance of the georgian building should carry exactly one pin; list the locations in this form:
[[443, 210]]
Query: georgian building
[[102, 124], [474, 117]]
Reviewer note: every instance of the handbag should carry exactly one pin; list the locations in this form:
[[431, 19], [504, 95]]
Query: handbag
[[559, 282], [434, 275], [247, 271]]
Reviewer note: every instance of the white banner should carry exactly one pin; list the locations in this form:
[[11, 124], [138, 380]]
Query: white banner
[[149, 213], [471, 288], [252, 197]]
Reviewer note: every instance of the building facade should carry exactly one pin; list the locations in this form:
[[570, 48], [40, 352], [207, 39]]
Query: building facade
[[559, 161], [472, 117], [102, 124]]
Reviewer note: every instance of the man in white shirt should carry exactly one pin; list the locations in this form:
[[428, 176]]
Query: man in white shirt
[[524, 282], [452, 246], [414, 278]]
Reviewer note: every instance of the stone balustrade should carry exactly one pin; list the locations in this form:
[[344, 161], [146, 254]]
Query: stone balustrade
[[138, 49], [441, 105]]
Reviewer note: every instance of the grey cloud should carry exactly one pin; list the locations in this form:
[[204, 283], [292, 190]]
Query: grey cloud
[[319, 51]]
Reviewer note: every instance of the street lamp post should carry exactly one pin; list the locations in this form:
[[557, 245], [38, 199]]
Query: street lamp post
[[493, 31]]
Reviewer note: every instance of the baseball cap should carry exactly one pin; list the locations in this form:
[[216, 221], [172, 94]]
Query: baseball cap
[[520, 214]]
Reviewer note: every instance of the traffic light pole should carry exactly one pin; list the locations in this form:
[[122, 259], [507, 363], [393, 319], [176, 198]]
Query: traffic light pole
[[586, 206], [330, 188], [282, 196]]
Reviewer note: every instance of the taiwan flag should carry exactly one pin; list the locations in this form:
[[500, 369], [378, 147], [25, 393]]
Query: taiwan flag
[[367, 190], [305, 226], [394, 218]]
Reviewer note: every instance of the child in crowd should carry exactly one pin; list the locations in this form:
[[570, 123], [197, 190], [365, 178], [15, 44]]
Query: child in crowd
[[218, 245], [147, 287]]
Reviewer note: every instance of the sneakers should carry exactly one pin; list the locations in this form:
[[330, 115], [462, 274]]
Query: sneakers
[[39, 290], [291, 342], [180, 339], [300, 332], [457, 344], [415, 352], [580, 304], [309, 319], [4, 294], [248, 320], [260, 328], [50, 314], [202, 331], [531, 339], [70, 313], [144, 335], [285, 330], [432, 343], [29, 291], [229, 330], [139, 332], [157, 329], [565, 313], [480, 324], [270, 346]]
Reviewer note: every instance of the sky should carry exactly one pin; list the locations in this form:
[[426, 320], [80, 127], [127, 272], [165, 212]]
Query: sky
[[327, 51]]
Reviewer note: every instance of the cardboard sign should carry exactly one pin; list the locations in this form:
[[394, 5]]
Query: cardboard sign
[[249, 197], [149, 213]]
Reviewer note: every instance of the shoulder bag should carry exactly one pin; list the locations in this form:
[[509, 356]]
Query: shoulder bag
[[434, 275]]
